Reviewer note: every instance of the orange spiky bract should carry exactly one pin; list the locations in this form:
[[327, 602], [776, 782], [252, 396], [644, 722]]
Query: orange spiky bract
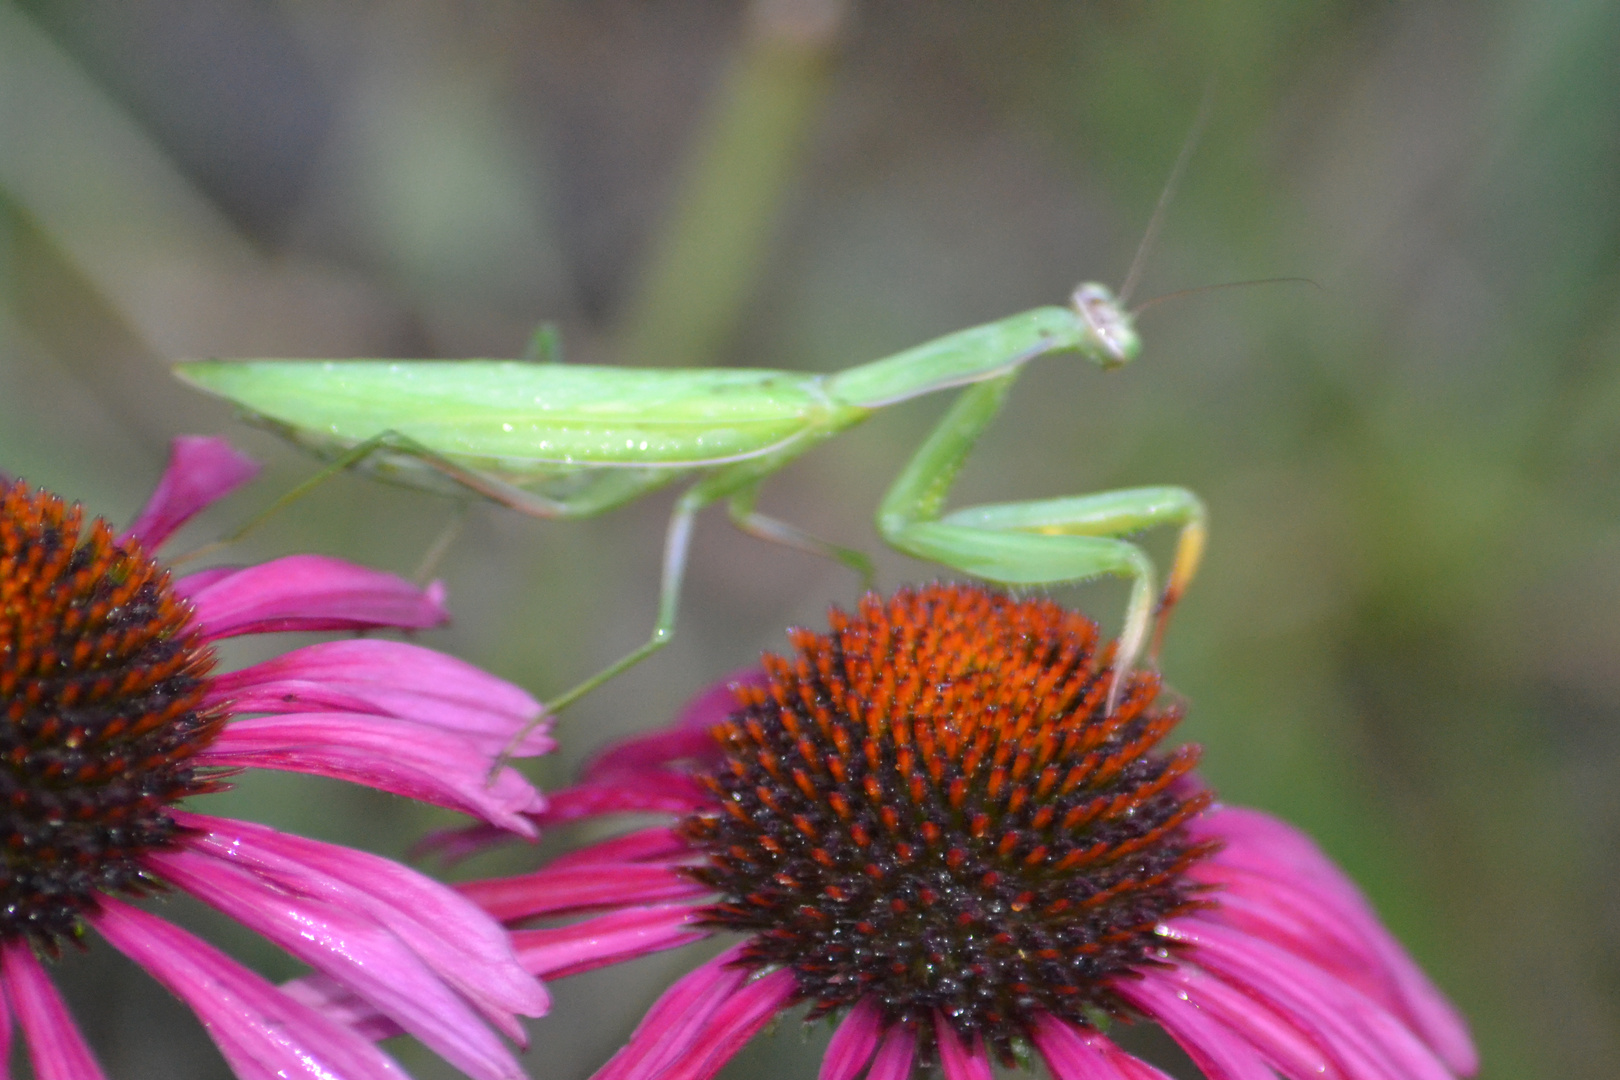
[[930, 807], [101, 709]]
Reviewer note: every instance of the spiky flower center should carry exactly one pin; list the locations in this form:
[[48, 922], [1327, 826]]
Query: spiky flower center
[[101, 708], [929, 807]]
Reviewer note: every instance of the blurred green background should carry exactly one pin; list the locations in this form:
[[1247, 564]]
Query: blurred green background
[[1405, 637]]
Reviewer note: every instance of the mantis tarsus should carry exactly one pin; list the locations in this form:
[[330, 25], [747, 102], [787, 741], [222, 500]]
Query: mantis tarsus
[[557, 440]]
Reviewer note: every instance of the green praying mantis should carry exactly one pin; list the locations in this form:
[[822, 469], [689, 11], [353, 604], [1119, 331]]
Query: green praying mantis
[[558, 440]]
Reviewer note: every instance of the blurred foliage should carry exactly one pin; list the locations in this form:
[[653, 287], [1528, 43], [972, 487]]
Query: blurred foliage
[[1406, 635]]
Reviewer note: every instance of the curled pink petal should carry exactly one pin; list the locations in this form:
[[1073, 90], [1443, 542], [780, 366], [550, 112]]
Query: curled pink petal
[[894, 1056], [555, 952], [738, 1019], [398, 756], [312, 592], [357, 952], [389, 678], [262, 1032], [854, 1042], [1073, 1055], [675, 1020], [959, 1062], [201, 470], [55, 1046], [578, 888], [462, 944]]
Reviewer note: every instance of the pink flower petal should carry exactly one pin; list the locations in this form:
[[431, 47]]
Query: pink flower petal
[[1072, 1054], [893, 1061], [1218, 1051], [738, 1019], [1363, 1038], [1287, 857], [555, 952], [357, 952], [578, 888], [337, 1002], [959, 1062], [649, 792], [397, 756], [1283, 1045], [713, 705], [651, 751], [659, 844], [389, 678], [467, 948], [675, 1019], [263, 1033], [55, 1046], [854, 1042], [313, 592], [688, 737], [201, 470]]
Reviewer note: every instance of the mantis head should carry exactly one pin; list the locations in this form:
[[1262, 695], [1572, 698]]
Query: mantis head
[[1108, 323]]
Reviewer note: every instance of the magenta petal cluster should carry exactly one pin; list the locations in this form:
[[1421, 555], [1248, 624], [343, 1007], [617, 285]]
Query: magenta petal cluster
[[1286, 971], [389, 715]]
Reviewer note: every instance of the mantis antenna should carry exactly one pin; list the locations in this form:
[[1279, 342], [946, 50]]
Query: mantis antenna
[[1133, 276]]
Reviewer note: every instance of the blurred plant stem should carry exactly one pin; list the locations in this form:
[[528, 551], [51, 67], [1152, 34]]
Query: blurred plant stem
[[704, 263]]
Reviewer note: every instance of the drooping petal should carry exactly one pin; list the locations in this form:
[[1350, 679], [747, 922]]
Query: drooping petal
[[555, 952], [201, 470], [738, 1019], [1363, 1037], [462, 944], [389, 678], [1218, 1051], [1286, 1048], [854, 1042], [1074, 1055], [263, 1033], [893, 1061], [1286, 855], [355, 951], [578, 888], [397, 756], [959, 1061], [675, 1020], [55, 1045], [313, 592]]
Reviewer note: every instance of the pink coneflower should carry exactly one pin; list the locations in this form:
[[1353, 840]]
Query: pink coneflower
[[112, 715], [928, 826]]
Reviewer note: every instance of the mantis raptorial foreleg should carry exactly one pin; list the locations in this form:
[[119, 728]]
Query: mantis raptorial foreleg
[[1041, 542]]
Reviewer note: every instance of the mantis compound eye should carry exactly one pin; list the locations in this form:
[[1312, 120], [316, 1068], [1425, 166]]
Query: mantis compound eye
[[101, 709], [930, 809], [1110, 323]]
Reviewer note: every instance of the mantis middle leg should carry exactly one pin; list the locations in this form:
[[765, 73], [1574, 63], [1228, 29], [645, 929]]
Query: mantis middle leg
[[1040, 542]]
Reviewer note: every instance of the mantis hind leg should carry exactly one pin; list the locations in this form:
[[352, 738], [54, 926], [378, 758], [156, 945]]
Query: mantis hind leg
[[1041, 542]]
